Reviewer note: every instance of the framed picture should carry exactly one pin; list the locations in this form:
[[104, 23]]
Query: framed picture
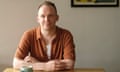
[[95, 3]]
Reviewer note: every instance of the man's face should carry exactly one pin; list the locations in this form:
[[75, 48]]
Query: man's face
[[47, 17]]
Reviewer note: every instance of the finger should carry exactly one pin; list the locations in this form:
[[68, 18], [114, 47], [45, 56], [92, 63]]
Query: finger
[[27, 59], [60, 66]]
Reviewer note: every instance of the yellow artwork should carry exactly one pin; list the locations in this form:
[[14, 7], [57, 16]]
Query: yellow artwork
[[85, 0], [95, 3]]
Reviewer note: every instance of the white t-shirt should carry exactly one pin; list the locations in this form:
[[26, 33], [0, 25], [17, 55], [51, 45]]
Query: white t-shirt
[[48, 50]]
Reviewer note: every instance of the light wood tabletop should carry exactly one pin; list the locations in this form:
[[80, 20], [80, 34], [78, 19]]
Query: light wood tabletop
[[74, 70]]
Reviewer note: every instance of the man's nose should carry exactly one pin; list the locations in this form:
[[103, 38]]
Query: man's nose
[[46, 18]]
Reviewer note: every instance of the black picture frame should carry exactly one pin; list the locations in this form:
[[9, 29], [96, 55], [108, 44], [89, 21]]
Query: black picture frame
[[94, 3]]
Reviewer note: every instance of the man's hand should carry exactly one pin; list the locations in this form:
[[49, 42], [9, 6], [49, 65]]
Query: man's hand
[[30, 59], [55, 65], [69, 63]]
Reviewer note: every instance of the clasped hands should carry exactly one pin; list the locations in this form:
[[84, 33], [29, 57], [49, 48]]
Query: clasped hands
[[48, 66]]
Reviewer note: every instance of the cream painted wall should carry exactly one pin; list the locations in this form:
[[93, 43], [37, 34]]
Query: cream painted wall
[[95, 30]]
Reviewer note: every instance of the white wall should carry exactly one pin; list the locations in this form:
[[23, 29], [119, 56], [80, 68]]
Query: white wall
[[95, 30]]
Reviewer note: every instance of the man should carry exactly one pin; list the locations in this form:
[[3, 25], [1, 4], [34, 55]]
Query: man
[[46, 47]]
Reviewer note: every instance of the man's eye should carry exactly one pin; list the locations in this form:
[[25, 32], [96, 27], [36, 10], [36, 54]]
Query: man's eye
[[42, 16], [51, 15]]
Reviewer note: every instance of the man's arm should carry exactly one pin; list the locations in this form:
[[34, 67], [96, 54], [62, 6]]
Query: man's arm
[[47, 66], [18, 63]]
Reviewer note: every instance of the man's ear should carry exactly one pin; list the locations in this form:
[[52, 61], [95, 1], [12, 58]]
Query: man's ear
[[57, 18]]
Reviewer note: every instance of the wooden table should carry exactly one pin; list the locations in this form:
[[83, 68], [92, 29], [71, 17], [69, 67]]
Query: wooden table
[[75, 70]]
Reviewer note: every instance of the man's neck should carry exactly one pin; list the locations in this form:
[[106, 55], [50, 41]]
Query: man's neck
[[49, 34]]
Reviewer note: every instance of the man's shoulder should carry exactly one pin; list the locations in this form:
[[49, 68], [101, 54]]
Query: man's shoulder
[[64, 30], [31, 31]]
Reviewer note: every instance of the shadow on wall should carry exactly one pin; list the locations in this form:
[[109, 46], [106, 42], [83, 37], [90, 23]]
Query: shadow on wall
[[3, 66]]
